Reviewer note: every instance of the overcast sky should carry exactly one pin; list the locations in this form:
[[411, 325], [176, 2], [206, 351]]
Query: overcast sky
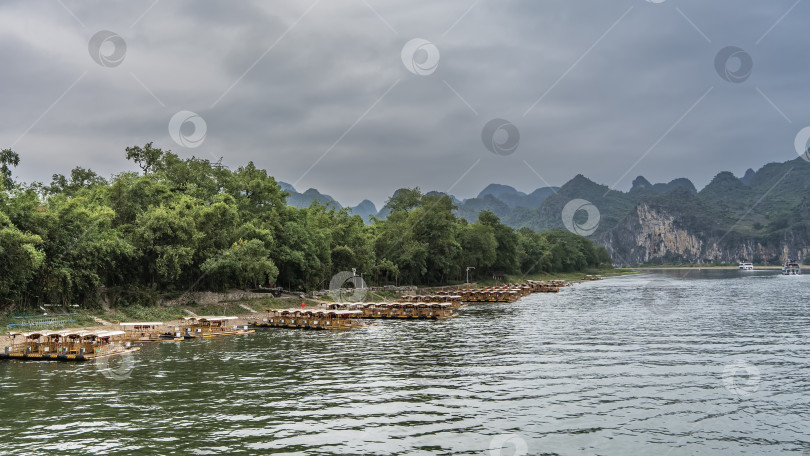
[[326, 94]]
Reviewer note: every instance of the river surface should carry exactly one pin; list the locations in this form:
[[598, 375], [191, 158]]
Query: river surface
[[671, 363]]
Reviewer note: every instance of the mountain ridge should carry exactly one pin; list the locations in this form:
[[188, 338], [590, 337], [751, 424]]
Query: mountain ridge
[[762, 216]]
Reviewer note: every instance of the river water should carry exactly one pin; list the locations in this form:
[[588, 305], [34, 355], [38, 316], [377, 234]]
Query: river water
[[676, 363]]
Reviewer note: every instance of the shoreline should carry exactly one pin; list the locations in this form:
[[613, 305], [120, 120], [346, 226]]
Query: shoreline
[[242, 319], [681, 268], [293, 302]]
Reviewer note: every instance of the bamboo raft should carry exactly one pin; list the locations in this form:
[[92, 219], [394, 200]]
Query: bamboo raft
[[147, 332], [207, 327], [334, 319], [440, 297], [66, 345], [81, 345], [503, 293], [402, 310]]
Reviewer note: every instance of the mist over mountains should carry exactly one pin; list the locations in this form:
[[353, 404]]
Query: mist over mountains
[[762, 216]]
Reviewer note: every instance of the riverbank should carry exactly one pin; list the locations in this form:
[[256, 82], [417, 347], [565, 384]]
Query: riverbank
[[170, 316], [245, 307], [681, 268]]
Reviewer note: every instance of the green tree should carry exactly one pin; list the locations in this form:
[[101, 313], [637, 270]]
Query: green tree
[[147, 157], [479, 248], [166, 238], [8, 159], [535, 252], [79, 178], [82, 250], [20, 258], [507, 255], [244, 263]]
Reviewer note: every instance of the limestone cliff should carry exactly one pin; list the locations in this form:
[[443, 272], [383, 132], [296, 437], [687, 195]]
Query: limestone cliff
[[657, 234]]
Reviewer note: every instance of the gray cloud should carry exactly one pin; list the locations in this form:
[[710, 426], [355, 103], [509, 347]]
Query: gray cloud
[[281, 94]]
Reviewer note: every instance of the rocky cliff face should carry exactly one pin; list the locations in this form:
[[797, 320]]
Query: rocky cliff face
[[655, 234]]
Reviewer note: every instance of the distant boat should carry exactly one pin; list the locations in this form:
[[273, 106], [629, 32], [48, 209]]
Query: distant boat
[[746, 266], [791, 268]]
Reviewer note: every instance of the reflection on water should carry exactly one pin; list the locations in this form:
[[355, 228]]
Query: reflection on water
[[688, 362]]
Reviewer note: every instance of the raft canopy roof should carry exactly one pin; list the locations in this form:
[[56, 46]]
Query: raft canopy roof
[[63, 332], [210, 318], [104, 334], [69, 333], [319, 311]]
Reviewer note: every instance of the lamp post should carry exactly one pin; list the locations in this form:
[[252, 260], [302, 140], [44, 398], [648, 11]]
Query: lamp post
[[468, 273]]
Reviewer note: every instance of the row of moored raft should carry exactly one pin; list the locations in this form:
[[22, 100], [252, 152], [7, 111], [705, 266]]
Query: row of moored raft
[[80, 345]]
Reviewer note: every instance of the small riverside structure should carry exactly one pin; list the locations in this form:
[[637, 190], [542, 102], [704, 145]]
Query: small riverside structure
[[66, 345]]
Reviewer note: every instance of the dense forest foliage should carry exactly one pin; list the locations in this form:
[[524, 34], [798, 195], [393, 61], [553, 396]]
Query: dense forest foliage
[[189, 224]]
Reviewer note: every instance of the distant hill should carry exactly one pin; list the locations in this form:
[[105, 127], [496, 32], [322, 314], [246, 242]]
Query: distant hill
[[456, 201], [365, 209], [749, 174], [287, 187], [642, 185], [514, 198], [762, 217], [301, 200]]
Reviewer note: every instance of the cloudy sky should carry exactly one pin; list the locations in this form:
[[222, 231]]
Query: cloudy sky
[[336, 95]]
